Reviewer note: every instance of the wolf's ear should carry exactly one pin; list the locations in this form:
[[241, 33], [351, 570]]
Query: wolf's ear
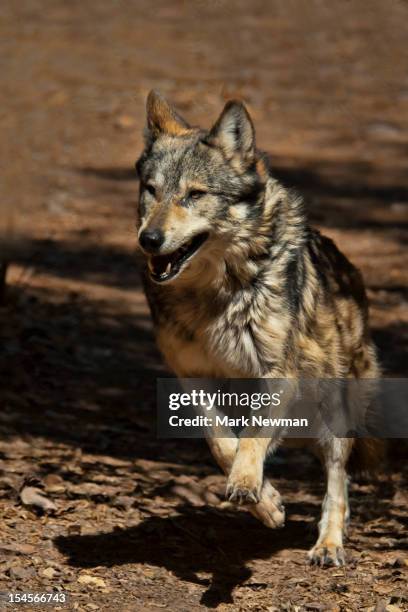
[[162, 118], [234, 132]]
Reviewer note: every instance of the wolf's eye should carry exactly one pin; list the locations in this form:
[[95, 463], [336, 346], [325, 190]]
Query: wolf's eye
[[196, 194], [150, 189]]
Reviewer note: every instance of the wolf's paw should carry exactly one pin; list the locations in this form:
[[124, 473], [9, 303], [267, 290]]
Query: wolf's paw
[[244, 487], [242, 494], [326, 555], [270, 510]]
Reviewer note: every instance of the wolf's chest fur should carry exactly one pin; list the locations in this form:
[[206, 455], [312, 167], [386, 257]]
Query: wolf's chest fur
[[206, 340], [300, 314], [192, 334]]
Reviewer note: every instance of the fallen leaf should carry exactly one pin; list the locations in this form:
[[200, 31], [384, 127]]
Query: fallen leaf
[[21, 573], [112, 461], [54, 483], [16, 548], [187, 494], [91, 489], [123, 501], [32, 496], [383, 589], [48, 572], [91, 580]]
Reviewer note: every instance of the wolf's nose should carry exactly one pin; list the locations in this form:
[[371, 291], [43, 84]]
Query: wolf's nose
[[151, 240]]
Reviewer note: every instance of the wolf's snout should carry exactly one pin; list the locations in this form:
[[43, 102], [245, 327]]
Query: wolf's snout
[[151, 240]]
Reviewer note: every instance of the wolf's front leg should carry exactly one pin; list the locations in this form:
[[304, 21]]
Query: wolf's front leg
[[246, 475], [246, 481], [224, 445], [328, 549], [268, 507]]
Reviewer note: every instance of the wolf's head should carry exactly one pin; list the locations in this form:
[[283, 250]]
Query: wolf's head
[[199, 190]]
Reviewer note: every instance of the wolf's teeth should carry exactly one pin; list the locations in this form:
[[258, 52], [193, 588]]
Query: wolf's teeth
[[168, 268]]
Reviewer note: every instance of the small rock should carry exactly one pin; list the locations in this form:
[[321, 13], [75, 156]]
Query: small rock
[[48, 572], [91, 580]]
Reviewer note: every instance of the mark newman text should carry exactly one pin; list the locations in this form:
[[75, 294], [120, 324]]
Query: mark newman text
[[242, 421]]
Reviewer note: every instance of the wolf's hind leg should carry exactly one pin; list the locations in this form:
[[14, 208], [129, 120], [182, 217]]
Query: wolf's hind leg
[[269, 509], [328, 549]]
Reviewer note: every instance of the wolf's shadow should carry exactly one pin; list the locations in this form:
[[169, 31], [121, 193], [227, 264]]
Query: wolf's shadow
[[193, 541]]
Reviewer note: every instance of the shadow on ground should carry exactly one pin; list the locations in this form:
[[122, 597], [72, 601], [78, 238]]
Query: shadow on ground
[[85, 261], [196, 541], [79, 371], [192, 542]]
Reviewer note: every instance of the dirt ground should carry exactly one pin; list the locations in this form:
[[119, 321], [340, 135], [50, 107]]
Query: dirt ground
[[140, 523]]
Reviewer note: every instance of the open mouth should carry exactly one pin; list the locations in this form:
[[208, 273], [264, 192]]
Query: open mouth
[[166, 267]]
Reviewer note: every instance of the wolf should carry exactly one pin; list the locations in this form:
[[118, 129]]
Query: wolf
[[241, 286]]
